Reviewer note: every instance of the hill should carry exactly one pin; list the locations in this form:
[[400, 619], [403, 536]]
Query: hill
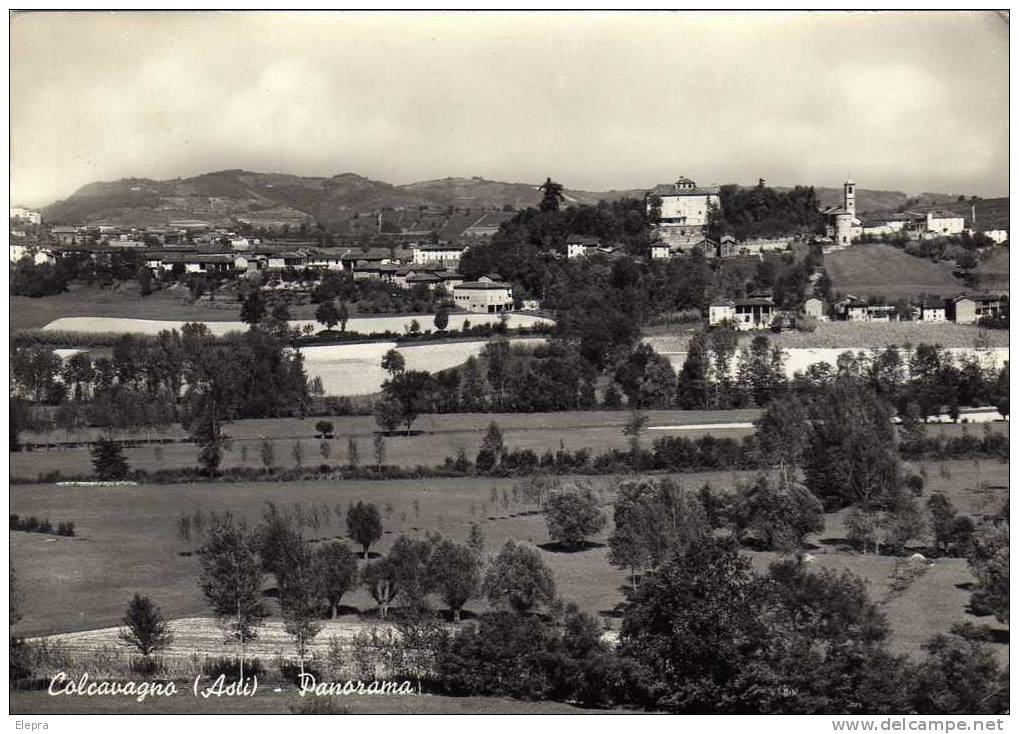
[[269, 199], [867, 200], [887, 272]]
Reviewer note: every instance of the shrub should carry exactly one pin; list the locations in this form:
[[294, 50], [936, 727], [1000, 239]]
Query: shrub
[[66, 529], [230, 668]]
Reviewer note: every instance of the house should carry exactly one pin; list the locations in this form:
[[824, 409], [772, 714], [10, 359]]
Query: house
[[65, 235], [997, 236], [322, 260], [941, 223], [841, 224], [933, 311], [814, 308], [484, 295], [968, 308], [681, 210], [581, 245], [850, 308], [743, 314], [24, 214], [707, 247], [428, 280], [38, 255], [660, 252], [880, 312], [446, 254], [193, 262]]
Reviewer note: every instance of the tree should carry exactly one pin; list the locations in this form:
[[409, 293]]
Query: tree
[[408, 391], [253, 308], [267, 452], [379, 450], [327, 314], [108, 460], [780, 514], [492, 448], [850, 457], [343, 316], [146, 631], [783, 433], [695, 626], [989, 561], [232, 579], [518, 577], [634, 427], [364, 524], [353, 452], [393, 363], [455, 572], [324, 429], [280, 312], [299, 601], [959, 677], [551, 195], [692, 390], [572, 515], [337, 573], [297, 451], [651, 518], [279, 542], [387, 414], [441, 319], [379, 577]]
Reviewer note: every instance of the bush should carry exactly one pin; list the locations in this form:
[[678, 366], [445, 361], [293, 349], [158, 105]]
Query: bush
[[230, 668], [66, 529]]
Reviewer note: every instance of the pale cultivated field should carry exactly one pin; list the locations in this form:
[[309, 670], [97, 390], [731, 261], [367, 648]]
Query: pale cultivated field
[[799, 359], [356, 369], [844, 335], [382, 324]]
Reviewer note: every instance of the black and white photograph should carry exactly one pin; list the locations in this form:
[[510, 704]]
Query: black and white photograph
[[533, 362]]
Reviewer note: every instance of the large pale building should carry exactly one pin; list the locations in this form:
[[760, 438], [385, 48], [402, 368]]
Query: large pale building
[[682, 210], [484, 295]]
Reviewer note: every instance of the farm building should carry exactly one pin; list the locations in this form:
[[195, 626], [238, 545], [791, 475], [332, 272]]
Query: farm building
[[446, 254], [484, 295], [933, 312], [814, 307], [744, 314], [968, 308]]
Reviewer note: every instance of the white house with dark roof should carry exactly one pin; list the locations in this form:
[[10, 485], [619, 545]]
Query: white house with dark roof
[[447, 253], [581, 245], [484, 295]]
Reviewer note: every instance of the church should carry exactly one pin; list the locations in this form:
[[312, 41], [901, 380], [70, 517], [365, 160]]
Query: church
[[841, 224]]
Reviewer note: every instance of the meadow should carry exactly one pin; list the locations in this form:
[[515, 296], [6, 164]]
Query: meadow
[[857, 335], [888, 272], [434, 437], [361, 325], [127, 542]]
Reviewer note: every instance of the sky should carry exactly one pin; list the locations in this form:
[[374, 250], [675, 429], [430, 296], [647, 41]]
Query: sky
[[902, 101]]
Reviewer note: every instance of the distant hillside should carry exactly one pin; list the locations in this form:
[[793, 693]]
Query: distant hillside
[[867, 200], [350, 203], [269, 199]]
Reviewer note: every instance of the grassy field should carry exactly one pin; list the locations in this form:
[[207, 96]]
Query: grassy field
[[440, 436], [888, 272], [854, 335], [267, 701], [121, 302], [127, 543]]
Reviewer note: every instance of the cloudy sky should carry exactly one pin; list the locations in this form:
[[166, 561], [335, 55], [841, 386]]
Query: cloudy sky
[[906, 101]]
